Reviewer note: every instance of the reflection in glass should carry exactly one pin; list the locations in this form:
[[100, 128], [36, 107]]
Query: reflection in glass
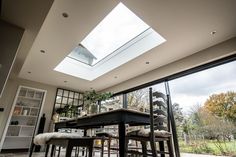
[[71, 94], [76, 95], [75, 102], [112, 103], [64, 100], [58, 99], [138, 100], [66, 105], [60, 92], [70, 101], [66, 93]]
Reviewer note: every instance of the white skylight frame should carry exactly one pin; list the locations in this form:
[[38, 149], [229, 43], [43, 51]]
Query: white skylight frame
[[140, 44], [113, 32]]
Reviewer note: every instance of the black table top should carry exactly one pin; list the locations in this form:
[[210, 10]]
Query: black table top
[[113, 117]]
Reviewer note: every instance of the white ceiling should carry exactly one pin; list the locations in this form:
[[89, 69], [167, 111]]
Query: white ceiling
[[185, 24]]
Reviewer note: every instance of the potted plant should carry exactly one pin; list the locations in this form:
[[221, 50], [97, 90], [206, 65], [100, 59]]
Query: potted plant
[[92, 98]]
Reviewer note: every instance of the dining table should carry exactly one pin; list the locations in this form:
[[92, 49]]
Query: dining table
[[120, 117]]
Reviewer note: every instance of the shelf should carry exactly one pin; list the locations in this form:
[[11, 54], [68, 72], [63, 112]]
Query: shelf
[[27, 116], [23, 97], [14, 125], [27, 106], [23, 118], [30, 126], [27, 126], [18, 136]]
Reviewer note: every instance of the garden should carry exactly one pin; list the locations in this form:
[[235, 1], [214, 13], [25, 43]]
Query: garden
[[210, 128]]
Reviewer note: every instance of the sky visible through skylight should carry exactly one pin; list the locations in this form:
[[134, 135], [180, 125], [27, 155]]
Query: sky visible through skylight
[[120, 37], [117, 28]]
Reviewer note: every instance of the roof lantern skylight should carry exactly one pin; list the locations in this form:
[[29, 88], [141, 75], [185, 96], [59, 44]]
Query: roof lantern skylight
[[110, 34], [120, 37]]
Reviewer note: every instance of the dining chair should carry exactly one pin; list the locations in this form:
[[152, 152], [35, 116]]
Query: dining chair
[[106, 135], [157, 132]]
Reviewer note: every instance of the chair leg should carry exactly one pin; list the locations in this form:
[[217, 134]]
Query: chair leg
[[84, 151], [170, 148], [109, 146], [52, 150], [153, 147], [59, 151], [102, 149], [76, 151], [69, 150], [47, 149], [144, 148], [31, 149], [162, 148], [90, 150]]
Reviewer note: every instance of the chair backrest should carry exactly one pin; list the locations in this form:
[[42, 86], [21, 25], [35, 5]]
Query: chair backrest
[[159, 111]]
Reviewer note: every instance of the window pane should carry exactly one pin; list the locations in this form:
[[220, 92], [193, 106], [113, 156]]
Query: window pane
[[112, 103], [59, 92], [66, 93], [204, 106], [138, 100], [71, 94]]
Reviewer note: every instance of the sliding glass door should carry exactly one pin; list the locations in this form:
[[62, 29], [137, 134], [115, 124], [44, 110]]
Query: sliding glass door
[[204, 105]]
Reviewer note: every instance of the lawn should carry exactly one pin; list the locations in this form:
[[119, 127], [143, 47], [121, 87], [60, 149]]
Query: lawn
[[209, 147]]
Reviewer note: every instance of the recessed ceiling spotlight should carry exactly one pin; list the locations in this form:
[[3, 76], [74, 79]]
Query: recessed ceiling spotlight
[[29, 72], [65, 15], [42, 51], [213, 32], [65, 81], [147, 62]]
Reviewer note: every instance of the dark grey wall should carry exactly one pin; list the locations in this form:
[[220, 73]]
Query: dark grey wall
[[10, 37]]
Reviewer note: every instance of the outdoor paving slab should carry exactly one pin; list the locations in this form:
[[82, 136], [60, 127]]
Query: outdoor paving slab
[[198, 155]]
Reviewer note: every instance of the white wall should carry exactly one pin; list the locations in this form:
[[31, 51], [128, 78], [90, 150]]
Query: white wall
[[10, 91], [210, 54], [10, 37]]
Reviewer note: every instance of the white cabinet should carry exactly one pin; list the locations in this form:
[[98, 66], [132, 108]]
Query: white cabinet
[[23, 119]]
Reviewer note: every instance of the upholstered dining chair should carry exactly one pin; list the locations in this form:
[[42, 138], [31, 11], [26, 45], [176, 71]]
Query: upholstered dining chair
[[157, 132]]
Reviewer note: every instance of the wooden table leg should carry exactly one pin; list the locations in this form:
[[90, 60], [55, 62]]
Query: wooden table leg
[[122, 145]]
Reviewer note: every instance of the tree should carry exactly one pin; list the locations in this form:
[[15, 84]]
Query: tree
[[215, 127], [222, 105], [178, 114], [138, 99]]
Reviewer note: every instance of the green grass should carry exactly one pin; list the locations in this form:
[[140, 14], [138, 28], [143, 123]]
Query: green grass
[[209, 147]]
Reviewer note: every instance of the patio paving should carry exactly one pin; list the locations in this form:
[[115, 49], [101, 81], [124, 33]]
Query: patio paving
[[198, 155], [97, 155]]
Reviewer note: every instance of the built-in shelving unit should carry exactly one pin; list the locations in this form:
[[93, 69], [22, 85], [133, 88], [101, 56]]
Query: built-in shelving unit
[[23, 118]]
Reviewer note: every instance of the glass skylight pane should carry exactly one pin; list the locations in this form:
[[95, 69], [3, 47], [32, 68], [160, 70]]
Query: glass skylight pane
[[117, 28], [81, 54]]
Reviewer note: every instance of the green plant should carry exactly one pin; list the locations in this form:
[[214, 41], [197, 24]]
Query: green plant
[[67, 110], [92, 98]]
